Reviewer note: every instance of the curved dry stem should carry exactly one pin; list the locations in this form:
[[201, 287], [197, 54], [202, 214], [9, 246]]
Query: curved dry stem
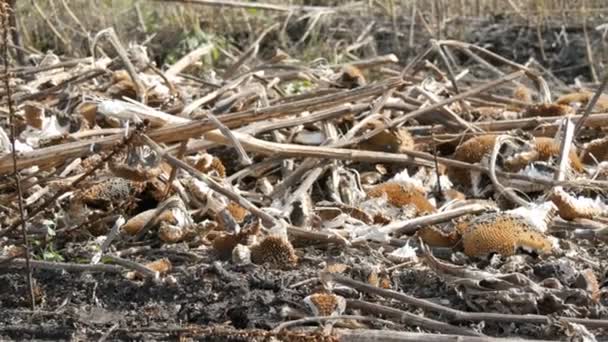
[[322, 319], [508, 192], [122, 53]]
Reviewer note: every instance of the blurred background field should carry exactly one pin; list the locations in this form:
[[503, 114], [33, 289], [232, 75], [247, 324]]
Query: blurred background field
[[566, 37]]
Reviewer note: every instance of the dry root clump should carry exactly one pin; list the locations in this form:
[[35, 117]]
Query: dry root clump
[[171, 233], [161, 266], [486, 113], [109, 191], [401, 195], [225, 242], [549, 148], [475, 149], [453, 195], [570, 207], [34, 115], [522, 93], [275, 251], [325, 304], [581, 99], [136, 173], [351, 77], [237, 211], [503, 234], [209, 163], [136, 223], [588, 281], [436, 237], [391, 141], [548, 109], [88, 111], [596, 150], [122, 85], [471, 151], [543, 149]]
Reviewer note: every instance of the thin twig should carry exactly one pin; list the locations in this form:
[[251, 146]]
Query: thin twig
[[243, 157], [62, 266], [132, 265], [364, 335], [588, 50], [591, 104], [457, 315], [6, 9], [321, 319], [564, 150], [250, 5], [409, 318], [180, 155]]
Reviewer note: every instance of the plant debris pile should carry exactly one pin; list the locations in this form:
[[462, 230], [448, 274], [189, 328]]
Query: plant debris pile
[[275, 198]]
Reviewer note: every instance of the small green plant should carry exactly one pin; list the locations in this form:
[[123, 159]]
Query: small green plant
[[48, 251], [50, 254], [297, 87]]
